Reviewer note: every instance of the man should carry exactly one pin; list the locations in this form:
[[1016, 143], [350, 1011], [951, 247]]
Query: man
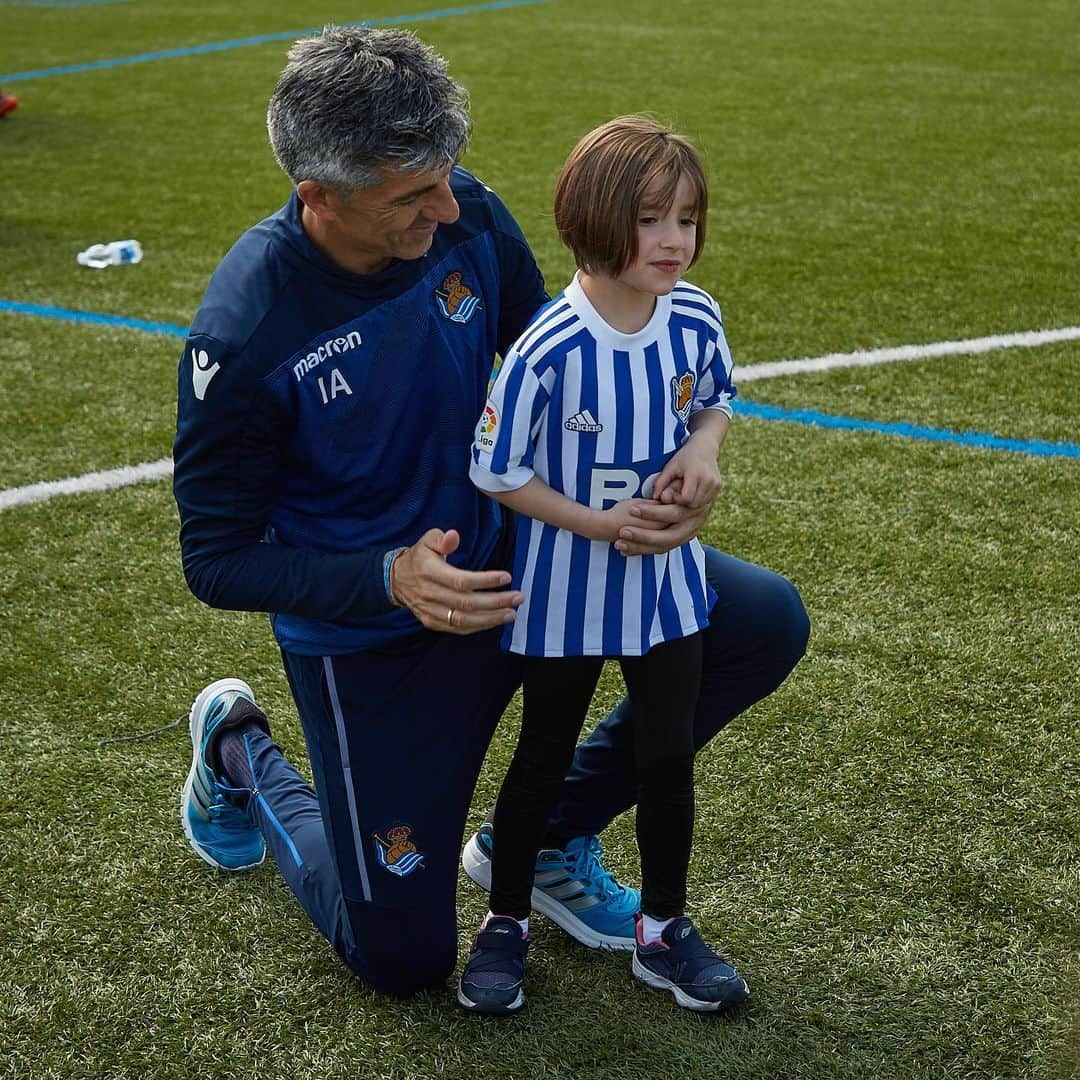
[[328, 395]]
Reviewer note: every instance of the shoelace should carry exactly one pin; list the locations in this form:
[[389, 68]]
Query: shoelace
[[588, 867], [225, 814]]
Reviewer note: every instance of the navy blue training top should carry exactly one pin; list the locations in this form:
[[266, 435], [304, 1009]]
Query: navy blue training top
[[325, 417]]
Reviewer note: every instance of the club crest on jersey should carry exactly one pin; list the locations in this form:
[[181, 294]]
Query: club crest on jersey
[[397, 854], [682, 394], [485, 428], [455, 299]]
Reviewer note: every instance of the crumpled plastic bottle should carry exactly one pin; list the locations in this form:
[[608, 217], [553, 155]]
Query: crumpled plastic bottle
[[119, 252]]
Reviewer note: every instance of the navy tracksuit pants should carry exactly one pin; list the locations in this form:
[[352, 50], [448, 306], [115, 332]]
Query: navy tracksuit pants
[[396, 738]]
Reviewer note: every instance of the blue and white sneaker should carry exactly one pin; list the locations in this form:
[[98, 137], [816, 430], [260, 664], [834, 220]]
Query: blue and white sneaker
[[571, 887], [492, 980], [220, 831], [682, 963]]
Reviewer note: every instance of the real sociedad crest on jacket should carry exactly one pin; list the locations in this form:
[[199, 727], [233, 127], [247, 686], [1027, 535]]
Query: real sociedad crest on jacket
[[455, 299], [682, 394]]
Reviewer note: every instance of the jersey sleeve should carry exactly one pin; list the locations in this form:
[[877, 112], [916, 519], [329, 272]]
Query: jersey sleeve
[[503, 444], [715, 388], [230, 438]]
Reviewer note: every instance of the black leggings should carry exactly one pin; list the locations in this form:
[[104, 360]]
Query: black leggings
[[663, 690]]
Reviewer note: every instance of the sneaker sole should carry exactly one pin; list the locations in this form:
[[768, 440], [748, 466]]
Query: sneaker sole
[[658, 982], [506, 1010], [478, 866], [197, 705]]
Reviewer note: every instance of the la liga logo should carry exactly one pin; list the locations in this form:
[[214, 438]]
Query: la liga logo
[[485, 429]]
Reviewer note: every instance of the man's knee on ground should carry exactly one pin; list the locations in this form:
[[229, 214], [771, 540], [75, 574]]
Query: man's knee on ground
[[402, 951], [389, 972]]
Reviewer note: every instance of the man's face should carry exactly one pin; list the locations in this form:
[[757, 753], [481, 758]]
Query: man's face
[[395, 219]]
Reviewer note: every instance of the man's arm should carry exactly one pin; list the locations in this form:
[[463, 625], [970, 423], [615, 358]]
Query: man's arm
[[226, 457]]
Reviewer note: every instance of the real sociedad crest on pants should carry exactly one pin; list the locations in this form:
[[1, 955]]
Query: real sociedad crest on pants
[[456, 300], [397, 853]]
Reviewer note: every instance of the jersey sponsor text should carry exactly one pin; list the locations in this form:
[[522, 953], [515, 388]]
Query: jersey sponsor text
[[333, 347]]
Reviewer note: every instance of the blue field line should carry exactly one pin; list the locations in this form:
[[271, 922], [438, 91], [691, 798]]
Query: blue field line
[[978, 439], [261, 39], [758, 411], [43, 311]]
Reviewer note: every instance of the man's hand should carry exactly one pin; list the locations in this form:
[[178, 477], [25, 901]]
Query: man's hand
[[445, 598]]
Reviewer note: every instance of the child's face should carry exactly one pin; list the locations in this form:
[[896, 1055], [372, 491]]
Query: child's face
[[665, 242]]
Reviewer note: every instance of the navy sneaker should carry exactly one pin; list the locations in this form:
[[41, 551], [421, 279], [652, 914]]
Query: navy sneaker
[[219, 830], [571, 887], [491, 981], [682, 963]]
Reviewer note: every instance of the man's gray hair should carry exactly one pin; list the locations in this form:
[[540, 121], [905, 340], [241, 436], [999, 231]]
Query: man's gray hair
[[352, 99]]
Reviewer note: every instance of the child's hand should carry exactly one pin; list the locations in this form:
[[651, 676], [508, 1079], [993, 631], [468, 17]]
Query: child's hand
[[691, 477], [622, 515], [670, 493]]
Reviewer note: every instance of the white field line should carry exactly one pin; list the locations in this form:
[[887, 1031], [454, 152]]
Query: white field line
[[95, 481], [155, 470], [1026, 340]]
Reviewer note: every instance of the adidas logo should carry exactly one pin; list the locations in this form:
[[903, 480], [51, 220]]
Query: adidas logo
[[583, 421]]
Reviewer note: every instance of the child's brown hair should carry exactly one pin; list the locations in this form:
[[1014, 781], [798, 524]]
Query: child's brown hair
[[602, 186]]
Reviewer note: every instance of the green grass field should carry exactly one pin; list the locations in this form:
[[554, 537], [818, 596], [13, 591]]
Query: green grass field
[[889, 847]]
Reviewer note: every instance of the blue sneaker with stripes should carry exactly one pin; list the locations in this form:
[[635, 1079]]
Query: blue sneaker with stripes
[[571, 887], [219, 830]]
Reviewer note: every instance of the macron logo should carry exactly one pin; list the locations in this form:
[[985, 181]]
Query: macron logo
[[333, 347], [202, 371], [583, 421]]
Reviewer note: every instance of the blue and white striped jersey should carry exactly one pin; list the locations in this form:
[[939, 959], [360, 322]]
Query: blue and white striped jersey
[[596, 414]]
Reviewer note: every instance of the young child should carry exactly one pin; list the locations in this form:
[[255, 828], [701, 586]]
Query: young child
[[615, 398]]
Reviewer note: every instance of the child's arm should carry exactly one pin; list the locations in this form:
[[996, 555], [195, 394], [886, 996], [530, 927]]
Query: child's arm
[[537, 500], [502, 461], [691, 477], [689, 482]]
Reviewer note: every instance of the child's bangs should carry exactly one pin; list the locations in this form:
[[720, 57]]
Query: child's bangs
[[662, 176]]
